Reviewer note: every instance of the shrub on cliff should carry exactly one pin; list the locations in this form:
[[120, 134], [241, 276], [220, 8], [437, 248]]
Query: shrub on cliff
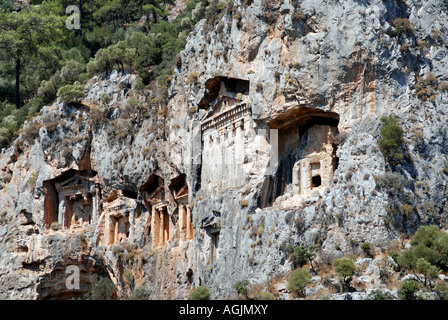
[[102, 289], [391, 139], [302, 255], [241, 287], [391, 182], [298, 280], [200, 293], [402, 25], [266, 296], [140, 293], [346, 269], [428, 253], [408, 290], [71, 93], [366, 248]]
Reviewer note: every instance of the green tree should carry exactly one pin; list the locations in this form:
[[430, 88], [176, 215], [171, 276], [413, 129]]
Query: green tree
[[428, 253], [71, 93], [302, 255], [346, 269], [429, 271], [298, 280], [391, 139], [380, 295], [25, 35], [71, 71], [408, 290]]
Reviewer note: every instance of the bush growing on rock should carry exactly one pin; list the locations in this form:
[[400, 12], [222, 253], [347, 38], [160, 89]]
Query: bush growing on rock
[[241, 287], [391, 139], [408, 290], [346, 269], [391, 182], [298, 280], [140, 293], [102, 289], [380, 295], [428, 253], [266, 296], [302, 255], [200, 293], [365, 247], [71, 93], [402, 25]]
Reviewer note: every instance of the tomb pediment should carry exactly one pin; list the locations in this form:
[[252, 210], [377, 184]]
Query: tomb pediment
[[179, 187], [222, 86], [76, 185], [71, 199], [119, 207], [183, 192], [226, 101], [157, 195]]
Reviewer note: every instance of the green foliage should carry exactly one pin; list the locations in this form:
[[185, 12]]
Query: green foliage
[[28, 42], [408, 290], [302, 255], [200, 293], [266, 296], [345, 268], [428, 254], [132, 35], [105, 98], [298, 280], [365, 247], [402, 25], [428, 243], [140, 293], [426, 236], [71, 93], [71, 71], [102, 289], [391, 182], [427, 269], [241, 286], [391, 139], [441, 290]]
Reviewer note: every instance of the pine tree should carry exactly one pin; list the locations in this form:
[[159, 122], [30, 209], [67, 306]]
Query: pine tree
[[32, 32]]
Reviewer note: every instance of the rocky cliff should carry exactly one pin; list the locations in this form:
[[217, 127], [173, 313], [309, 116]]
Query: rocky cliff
[[268, 138]]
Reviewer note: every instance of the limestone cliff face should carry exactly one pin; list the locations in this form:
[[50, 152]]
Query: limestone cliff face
[[268, 138]]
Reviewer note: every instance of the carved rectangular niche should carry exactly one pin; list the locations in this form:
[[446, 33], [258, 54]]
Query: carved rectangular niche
[[117, 209], [161, 226], [71, 200], [225, 126], [214, 245], [179, 188]]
